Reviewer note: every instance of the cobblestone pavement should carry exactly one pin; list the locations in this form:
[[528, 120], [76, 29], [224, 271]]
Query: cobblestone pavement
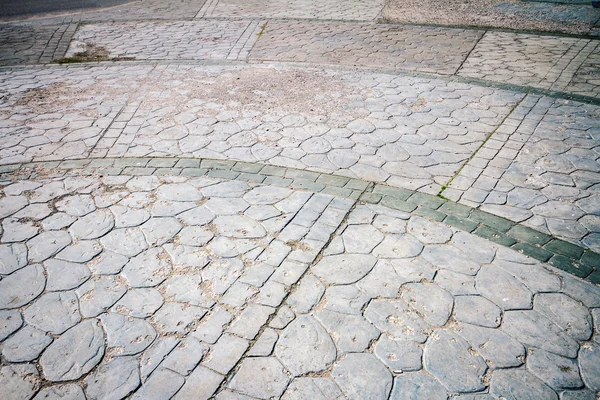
[[31, 44]]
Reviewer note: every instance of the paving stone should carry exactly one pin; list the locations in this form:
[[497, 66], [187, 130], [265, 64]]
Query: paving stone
[[53, 312], [17, 382], [178, 192], [64, 275], [351, 333], [361, 238], [589, 365], [265, 343], [12, 257], [128, 335], [251, 320], [565, 312], [58, 221], [114, 379], [128, 242], [389, 224], [580, 290], [519, 384], [126, 217], [272, 294], [450, 258], [25, 345], [418, 386], [76, 205], [82, 251], [177, 317], [305, 346], [221, 274], [47, 244], [398, 246], [430, 301], [399, 355], [478, 249], [162, 384], [344, 268], [147, 269], [155, 354], [397, 319], [239, 226], [447, 357], [99, 294], [313, 388], [22, 286], [18, 230], [578, 395], [65, 392], [11, 204], [197, 216], [92, 226], [200, 385], [428, 232], [262, 377], [10, 321], [266, 195], [226, 353], [455, 283], [361, 375], [533, 329], [503, 289], [160, 230], [211, 327], [308, 293], [536, 277], [382, 281], [184, 358], [108, 263], [186, 289], [477, 310], [496, 347], [139, 303], [347, 299], [556, 371], [75, 353]]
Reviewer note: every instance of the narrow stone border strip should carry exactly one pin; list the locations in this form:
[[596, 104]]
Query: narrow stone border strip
[[561, 254]]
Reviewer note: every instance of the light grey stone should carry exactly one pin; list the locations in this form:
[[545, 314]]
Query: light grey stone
[[187, 256], [63, 275], [226, 189], [239, 226], [262, 377], [147, 269], [108, 263], [126, 217], [179, 192], [382, 281], [581, 290], [496, 347], [220, 274], [128, 335], [17, 383], [226, 353], [200, 385], [177, 317], [361, 238], [262, 212], [184, 358], [272, 294], [162, 384], [447, 357], [228, 248], [417, 385], [477, 310], [92, 226], [47, 244], [513, 384], [160, 230], [433, 303], [22, 286], [455, 283], [578, 395], [351, 333], [99, 294], [589, 363], [450, 258], [211, 327], [397, 319], [389, 224], [533, 329], [265, 343], [361, 376], [63, 392], [565, 312], [251, 320], [480, 250], [266, 195], [313, 388], [221, 206], [344, 268], [139, 303], [398, 246], [155, 354], [113, 380], [504, 289], [18, 230], [53, 312], [25, 345], [80, 252], [58, 221], [347, 299], [556, 371], [12, 257], [399, 355], [535, 277], [11, 204], [197, 216], [194, 236], [413, 270], [186, 289], [76, 205], [427, 231], [308, 293], [305, 346], [128, 242], [75, 353], [10, 321]]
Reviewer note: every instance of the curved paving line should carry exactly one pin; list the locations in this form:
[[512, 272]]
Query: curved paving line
[[561, 254]]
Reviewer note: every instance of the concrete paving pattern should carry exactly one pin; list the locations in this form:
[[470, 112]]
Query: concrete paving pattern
[[276, 199]]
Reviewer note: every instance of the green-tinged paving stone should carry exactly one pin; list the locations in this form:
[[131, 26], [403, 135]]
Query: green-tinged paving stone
[[252, 177], [101, 162], [463, 224], [355, 195], [193, 171], [109, 171], [247, 167], [167, 171], [570, 265], [426, 200], [495, 236], [131, 162], [528, 235], [591, 259], [398, 193], [355, 184], [9, 168], [308, 184], [397, 204], [429, 213], [188, 163], [455, 209], [43, 164], [300, 174], [273, 171], [74, 164], [223, 173], [564, 248], [162, 162], [532, 251], [497, 223], [277, 181], [217, 164], [337, 191], [594, 277], [371, 198], [332, 180], [138, 171]]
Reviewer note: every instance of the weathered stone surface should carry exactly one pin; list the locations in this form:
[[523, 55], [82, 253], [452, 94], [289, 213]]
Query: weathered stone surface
[[478, 249], [80, 252], [108, 263], [398, 246], [184, 358], [265, 343], [447, 356], [397, 319], [533, 329], [58, 221], [197, 216], [308, 293], [583, 394], [155, 354], [113, 380], [92, 226], [128, 242], [589, 363], [382, 281], [200, 385], [503, 289], [251, 320], [312, 388], [455, 283], [347, 299], [76, 205], [262, 377], [194, 236], [351, 333], [239, 226], [99, 294], [226, 353], [179, 192], [211, 327], [450, 258], [399, 355], [160, 230], [16, 382], [22, 286], [556, 371], [10, 321], [477, 310], [361, 376], [126, 217], [495, 346], [75, 353], [361, 238], [47, 244], [534, 276], [63, 275], [139, 303], [128, 335], [54, 312], [12, 257], [25, 345], [162, 384], [430, 301], [147, 269], [63, 392], [344, 269], [305, 346], [565, 312], [186, 289], [519, 384], [221, 274], [176, 317], [418, 385], [427, 231]]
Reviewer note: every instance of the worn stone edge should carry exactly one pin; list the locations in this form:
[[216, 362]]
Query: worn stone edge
[[563, 255]]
